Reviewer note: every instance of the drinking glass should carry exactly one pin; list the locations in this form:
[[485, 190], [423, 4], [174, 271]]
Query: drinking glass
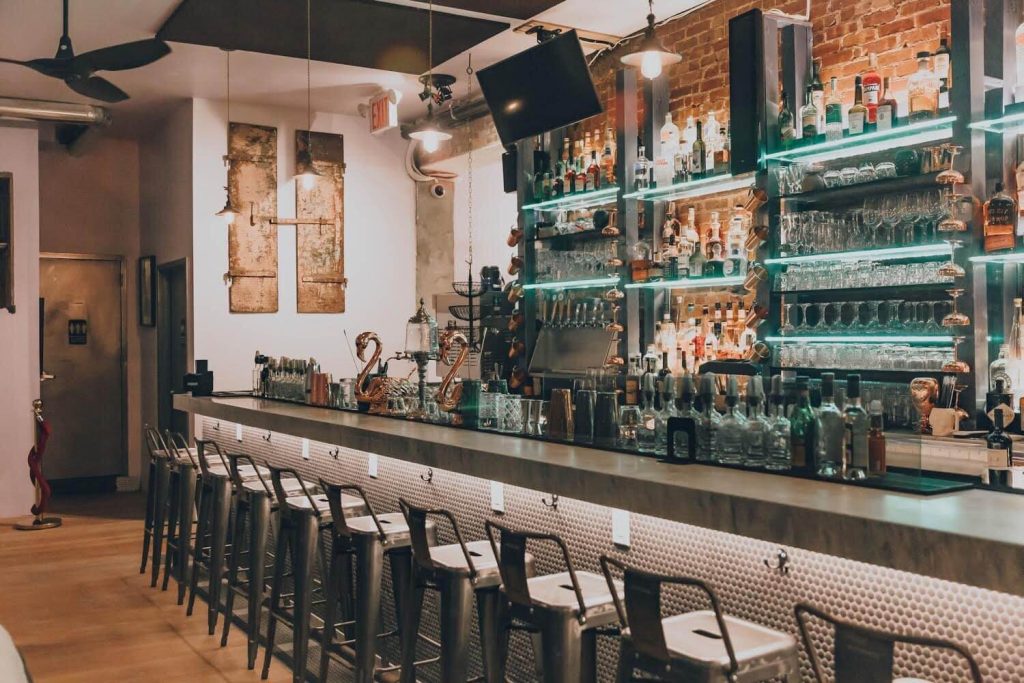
[[629, 421], [510, 414]]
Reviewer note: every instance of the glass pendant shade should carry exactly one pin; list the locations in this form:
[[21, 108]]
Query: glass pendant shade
[[230, 212], [650, 56], [421, 334], [429, 135], [305, 170]]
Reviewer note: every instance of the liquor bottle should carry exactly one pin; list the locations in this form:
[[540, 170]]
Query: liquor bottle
[[787, 131], [715, 266], [876, 440], [698, 263], [632, 393], [731, 430], [686, 139], [871, 83], [670, 232], [669, 136], [667, 343], [712, 142], [640, 169], [858, 112], [1015, 362], [999, 451], [582, 178], [723, 154], [587, 145], [698, 154], [685, 395], [818, 94], [855, 436], [1000, 213], [833, 113], [569, 181], [779, 457], [809, 116], [710, 420], [923, 91], [943, 67], [831, 431], [640, 262], [888, 111], [647, 430], [563, 160], [689, 237], [593, 173], [736, 263], [999, 370], [758, 428], [608, 156]]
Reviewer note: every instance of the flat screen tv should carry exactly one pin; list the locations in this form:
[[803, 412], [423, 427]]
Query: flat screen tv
[[545, 87]]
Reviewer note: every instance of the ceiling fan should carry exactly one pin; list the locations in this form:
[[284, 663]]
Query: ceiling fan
[[77, 70]]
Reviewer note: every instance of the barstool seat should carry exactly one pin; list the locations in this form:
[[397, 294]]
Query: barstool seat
[[554, 591], [451, 558], [393, 524], [695, 638], [323, 506], [246, 472], [256, 486]]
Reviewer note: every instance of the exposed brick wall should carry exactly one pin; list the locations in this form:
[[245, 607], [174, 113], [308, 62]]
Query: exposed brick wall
[[845, 31]]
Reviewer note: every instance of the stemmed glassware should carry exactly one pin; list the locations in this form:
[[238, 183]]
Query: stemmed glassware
[[955, 318]]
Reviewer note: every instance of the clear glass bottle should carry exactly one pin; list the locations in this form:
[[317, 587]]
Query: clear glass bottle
[[715, 266], [641, 170], [647, 430], [858, 114], [831, 430], [999, 452], [923, 90], [685, 395], [809, 116], [632, 394], [818, 94], [710, 420], [640, 261], [712, 142], [876, 440], [686, 138], [669, 136], [758, 427], [608, 156], [778, 458], [803, 428], [736, 261], [698, 262], [999, 370], [731, 430], [833, 113], [855, 438]]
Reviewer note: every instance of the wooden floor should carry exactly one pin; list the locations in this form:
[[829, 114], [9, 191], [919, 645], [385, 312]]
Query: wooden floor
[[76, 605]]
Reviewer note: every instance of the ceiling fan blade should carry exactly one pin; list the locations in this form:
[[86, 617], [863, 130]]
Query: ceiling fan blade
[[123, 56], [57, 68], [97, 88]]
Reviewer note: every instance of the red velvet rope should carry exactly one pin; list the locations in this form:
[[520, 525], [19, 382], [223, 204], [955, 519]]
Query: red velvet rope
[[35, 467]]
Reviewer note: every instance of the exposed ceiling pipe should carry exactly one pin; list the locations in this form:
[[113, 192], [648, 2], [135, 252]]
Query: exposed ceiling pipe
[[42, 110], [455, 116]]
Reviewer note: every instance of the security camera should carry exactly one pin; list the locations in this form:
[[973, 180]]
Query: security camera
[[438, 190]]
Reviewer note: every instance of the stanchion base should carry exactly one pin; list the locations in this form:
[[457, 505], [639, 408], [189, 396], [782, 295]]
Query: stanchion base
[[39, 523]]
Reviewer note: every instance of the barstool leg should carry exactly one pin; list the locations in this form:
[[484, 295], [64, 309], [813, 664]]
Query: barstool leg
[[172, 513], [332, 590], [369, 571], [259, 511], [221, 514], [202, 530], [147, 526], [492, 633], [237, 534], [456, 623], [625, 669], [561, 648], [280, 550], [412, 611], [303, 558], [160, 482], [188, 499], [588, 656]]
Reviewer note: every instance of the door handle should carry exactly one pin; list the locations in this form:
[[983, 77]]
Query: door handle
[[45, 376]]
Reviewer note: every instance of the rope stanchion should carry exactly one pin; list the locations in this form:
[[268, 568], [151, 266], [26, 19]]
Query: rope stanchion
[[35, 475]]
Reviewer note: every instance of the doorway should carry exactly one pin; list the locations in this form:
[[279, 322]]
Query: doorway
[[172, 343], [82, 335]]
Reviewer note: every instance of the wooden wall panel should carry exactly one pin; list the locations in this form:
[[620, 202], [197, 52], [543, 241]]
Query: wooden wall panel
[[320, 247], [252, 249]]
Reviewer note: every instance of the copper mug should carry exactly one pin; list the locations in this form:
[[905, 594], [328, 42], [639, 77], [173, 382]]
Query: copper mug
[[561, 425], [755, 316], [756, 274], [755, 198], [515, 321], [515, 236], [516, 349], [515, 292], [515, 265], [756, 236]]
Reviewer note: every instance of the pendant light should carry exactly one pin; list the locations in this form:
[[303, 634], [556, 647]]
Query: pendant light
[[305, 170], [427, 132], [650, 55], [230, 211]]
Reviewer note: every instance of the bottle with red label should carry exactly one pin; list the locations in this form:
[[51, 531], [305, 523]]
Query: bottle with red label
[[871, 82]]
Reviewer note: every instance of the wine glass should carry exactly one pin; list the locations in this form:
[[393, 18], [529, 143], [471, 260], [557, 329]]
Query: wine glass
[[950, 176], [787, 315], [803, 326], [955, 318], [955, 364]]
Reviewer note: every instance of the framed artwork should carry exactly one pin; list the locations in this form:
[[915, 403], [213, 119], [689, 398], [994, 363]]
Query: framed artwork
[[147, 291]]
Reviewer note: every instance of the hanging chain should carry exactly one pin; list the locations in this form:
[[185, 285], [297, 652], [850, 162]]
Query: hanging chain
[[228, 54], [469, 91]]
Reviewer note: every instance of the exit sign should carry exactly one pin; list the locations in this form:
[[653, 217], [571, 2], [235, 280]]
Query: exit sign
[[383, 112]]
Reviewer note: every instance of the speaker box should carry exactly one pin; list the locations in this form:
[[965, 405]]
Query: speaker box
[[509, 162], [746, 89]]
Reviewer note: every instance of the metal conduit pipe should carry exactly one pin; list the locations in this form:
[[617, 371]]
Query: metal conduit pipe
[[42, 110]]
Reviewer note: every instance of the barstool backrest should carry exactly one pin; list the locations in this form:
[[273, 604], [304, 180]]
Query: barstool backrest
[[340, 527], [282, 495], [201, 446], [179, 444], [416, 518], [642, 611], [236, 477], [512, 564], [156, 445], [851, 642]]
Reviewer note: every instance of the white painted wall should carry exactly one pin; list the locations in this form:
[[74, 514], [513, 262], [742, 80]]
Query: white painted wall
[[494, 212], [379, 248], [19, 333]]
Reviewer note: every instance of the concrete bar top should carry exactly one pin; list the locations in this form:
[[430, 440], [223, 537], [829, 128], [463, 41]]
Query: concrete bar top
[[973, 537]]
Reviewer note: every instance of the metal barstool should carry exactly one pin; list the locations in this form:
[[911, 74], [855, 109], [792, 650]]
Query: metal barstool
[[865, 655], [568, 609], [255, 509], [156, 494], [458, 572], [212, 528], [368, 540], [303, 516], [180, 511], [704, 646]]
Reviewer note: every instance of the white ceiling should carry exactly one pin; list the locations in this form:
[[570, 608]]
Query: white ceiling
[[31, 28]]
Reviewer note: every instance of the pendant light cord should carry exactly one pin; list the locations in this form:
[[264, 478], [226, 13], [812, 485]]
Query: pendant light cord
[[309, 110], [227, 53], [469, 91]]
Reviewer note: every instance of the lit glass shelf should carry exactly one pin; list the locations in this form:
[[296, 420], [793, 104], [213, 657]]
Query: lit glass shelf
[[888, 254], [689, 283], [863, 339], [1007, 123], [916, 133], [1012, 257], [576, 201], [575, 284], [694, 188]]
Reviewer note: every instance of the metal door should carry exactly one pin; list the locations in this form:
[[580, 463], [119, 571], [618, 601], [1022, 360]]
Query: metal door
[[83, 348]]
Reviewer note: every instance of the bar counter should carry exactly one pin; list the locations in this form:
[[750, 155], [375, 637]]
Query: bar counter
[[971, 537]]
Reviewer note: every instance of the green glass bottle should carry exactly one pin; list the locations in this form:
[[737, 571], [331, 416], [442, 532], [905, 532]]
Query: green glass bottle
[[802, 431]]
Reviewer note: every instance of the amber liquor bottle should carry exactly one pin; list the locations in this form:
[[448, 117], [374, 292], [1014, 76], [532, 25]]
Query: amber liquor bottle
[[1000, 221]]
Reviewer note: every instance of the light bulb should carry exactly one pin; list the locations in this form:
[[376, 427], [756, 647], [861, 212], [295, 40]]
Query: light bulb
[[228, 216], [431, 141], [650, 67], [308, 180]]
